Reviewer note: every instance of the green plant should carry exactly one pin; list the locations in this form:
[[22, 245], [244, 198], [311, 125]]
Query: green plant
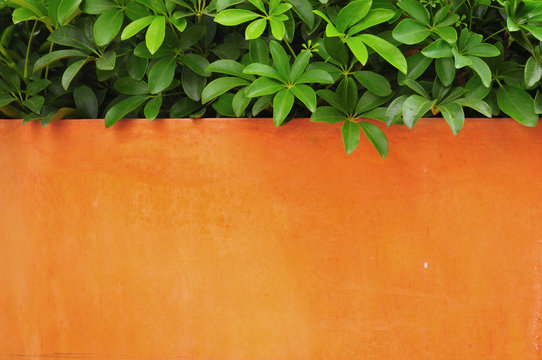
[[393, 61]]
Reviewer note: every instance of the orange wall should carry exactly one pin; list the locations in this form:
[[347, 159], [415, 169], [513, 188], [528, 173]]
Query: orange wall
[[235, 240]]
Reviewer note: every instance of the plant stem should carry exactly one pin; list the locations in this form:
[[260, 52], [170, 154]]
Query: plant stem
[[28, 50], [47, 67], [291, 50]]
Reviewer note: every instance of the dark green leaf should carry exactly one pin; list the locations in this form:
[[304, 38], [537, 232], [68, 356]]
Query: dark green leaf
[[351, 136], [414, 108], [533, 72], [231, 67], [85, 100], [107, 26], [107, 61], [219, 86], [263, 86], [454, 116], [123, 108], [161, 74], [71, 71], [34, 103], [416, 10], [129, 86], [306, 95], [352, 13], [327, 114], [376, 137], [282, 104], [410, 31], [385, 49], [192, 84], [152, 108], [518, 104], [374, 82]]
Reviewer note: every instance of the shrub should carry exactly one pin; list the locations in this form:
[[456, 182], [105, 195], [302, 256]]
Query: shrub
[[333, 61]]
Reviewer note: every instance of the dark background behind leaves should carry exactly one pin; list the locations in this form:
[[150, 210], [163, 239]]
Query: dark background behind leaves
[[333, 61]]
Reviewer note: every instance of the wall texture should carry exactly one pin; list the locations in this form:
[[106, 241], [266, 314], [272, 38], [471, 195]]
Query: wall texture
[[235, 240]]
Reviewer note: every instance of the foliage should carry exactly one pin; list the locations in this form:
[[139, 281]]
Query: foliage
[[334, 61]]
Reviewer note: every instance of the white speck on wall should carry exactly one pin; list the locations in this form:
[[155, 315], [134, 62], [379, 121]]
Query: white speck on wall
[[95, 203], [425, 265], [424, 170]]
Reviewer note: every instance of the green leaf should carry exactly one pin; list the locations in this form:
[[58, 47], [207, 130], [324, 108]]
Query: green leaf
[[417, 87], [358, 48], [240, 102], [438, 49], [484, 50], [389, 52], [417, 64], [123, 108], [85, 100], [374, 17], [414, 108], [196, 63], [332, 99], [155, 34], [303, 9], [23, 14], [306, 95], [395, 110], [34, 103], [37, 86], [352, 13], [129, 86], [347, 91], [538, 103], [71, 71], [264, 70], [280, 59], [300, 64], [475, 88], [376, 137], [518, 104], [183, 107], [192, 36], [454, 116], [136, 66], [152, 108], [107, 26], [219, 86], [192, 84], [55, 56], [351, 136], [71, 36], [410, 31], [107, 61], [66, 8], [6, 100], [161, 74], [258, 51], [416, 10], [447, 33], [533, 72], [258, 4], [476, 104], [315, 76], [135, 27], [232, 17], [96, 7], [277, 28], [231, 67], [445, 70], [374, 82], [336, 49], [327, 114], [369, 101], [534, 30], [263, 86], [481, 68], [255, 29], [282, 104]]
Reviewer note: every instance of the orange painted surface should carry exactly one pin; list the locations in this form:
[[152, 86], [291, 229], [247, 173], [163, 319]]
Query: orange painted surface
[[235, 240]]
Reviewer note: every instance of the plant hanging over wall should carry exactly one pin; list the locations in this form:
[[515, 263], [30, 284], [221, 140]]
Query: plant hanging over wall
[[333, 61]]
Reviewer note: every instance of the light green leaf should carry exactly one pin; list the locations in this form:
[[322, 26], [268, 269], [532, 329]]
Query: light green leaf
[[481, 68], [438, 49], [71, 71], [447, 33], [277, 28], [155, 34], [231, 67], [358, 48], [240, 102], [534, 30], [280, 59], [66, 9], [479, 105], [374, 17], [315, 76], [255, 29], [35, 103], [300, 64], [55, 56], [395, 110], [232, 17], [417, 64], [389, 52], [136, 26]]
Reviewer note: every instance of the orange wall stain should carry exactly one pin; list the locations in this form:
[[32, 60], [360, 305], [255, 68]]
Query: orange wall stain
[[236, 240]]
